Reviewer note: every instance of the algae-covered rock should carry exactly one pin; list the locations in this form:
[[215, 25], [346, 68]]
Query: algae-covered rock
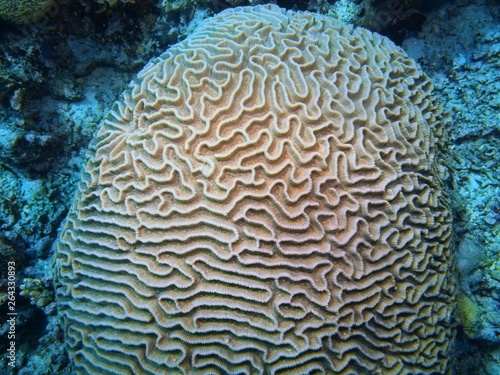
[[21, 12], [469, 314]]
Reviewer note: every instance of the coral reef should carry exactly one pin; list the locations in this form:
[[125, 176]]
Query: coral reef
[[459, 47], [349, 11], [394, 18], [255, 205], [38, 291], [58, 77]]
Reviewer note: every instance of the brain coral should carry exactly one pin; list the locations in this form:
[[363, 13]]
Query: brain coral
[[264, 199]]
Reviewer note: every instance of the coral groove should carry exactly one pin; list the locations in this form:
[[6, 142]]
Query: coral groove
[[264, 200]]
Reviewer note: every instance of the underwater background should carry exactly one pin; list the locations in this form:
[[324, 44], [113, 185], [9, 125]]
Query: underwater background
[[64, 62]]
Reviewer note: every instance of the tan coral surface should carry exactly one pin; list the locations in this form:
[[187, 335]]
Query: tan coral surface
[[264, 200]]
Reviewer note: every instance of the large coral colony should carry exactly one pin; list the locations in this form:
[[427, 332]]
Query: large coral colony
[[265, 198]]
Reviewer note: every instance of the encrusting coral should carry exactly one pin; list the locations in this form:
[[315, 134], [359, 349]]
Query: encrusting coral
[[37, 291], [264, 199]]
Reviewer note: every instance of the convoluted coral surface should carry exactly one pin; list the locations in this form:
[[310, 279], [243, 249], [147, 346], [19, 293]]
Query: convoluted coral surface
[[265, 199]]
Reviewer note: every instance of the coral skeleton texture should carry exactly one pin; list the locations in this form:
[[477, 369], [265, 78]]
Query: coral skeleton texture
[[264, 199]]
